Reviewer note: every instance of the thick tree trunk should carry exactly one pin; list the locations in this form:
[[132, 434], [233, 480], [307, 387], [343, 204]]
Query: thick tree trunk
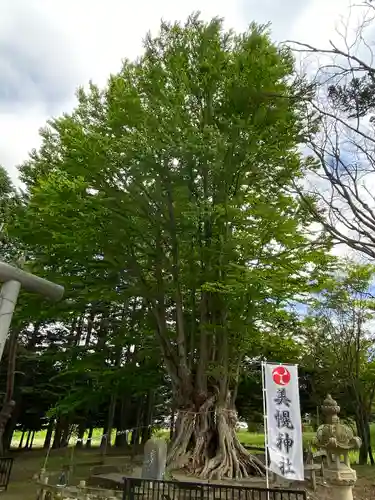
[[48, 438], [365, 452], [9, 431], [206, 443], [111, 418], [171, 424], [9, 404], [368, 438], [57, 435], [21, 440], [363, 430], [104, 436], [60, 432], [5, 414], [28, 440], [134, 441], [147, 417], [81, 433], [89, 437], [121, 434], [32, 440], [65, 436]]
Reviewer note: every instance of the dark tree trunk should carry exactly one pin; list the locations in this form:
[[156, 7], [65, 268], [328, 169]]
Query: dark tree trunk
[[111, 418], [136, 431], [32, 440], [9, 431], [370, 455], [81, 433], [134, 438], [148, 417], [121, 435], [59, 430], [363, 454], [28, 440], [363, 430], [8, 436], [11, 425], [21, 440], [89, 437], [9, 404], [57, 436], [146, 434], [65, 436], [112, 406], [48, 438], [368, 440], [121, 440], [104, 436], [171, 424]]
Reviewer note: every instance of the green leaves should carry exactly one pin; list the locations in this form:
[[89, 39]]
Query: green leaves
[[338, 337], [9, 202], [172, 188]]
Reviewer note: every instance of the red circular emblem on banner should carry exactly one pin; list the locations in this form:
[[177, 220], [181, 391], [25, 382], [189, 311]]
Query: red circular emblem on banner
[[281, 375]]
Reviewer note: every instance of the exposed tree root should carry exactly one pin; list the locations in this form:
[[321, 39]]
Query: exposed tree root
[[206, 444]]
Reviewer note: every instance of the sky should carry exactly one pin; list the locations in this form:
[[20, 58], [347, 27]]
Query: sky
[[50, 47]]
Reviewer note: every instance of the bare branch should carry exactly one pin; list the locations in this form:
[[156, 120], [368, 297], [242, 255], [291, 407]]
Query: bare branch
[[344, 186]]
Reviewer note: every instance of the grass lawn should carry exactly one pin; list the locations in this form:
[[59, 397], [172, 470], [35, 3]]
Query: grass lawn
[[40, 437], [27, 463], [247, 438], [256, 439]]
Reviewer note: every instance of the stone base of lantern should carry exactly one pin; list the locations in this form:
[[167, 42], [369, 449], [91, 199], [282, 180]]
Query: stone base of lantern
[[341, 480], [340, 473]]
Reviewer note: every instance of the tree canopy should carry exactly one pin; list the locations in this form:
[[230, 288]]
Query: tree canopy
[[339, 346], [166, 205]]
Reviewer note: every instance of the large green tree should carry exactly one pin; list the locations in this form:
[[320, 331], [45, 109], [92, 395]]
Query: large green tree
[[339, 349], [8, 200], [173, 185]]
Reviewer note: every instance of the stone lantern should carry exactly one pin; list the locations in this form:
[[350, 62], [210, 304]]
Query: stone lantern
[[337, 440]]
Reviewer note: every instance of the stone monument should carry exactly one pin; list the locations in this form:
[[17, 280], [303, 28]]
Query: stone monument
[[155, 459], [337, 440]]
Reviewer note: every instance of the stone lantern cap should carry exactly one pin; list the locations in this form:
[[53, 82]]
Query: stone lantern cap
[[333, 435]]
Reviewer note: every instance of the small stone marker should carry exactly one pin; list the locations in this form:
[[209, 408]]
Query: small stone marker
[[155, 459]]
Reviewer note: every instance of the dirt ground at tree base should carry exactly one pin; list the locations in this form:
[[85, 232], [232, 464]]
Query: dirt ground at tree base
[[364, 490], [365, 487], [27, 464]]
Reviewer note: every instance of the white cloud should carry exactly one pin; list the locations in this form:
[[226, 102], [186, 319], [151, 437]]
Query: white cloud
[[19, 133], [49, 48]]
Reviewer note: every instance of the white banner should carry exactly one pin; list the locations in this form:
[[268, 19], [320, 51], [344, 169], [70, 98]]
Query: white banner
[[284, 426]]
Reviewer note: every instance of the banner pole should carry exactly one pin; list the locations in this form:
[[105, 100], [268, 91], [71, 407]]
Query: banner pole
[[265, 422]]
